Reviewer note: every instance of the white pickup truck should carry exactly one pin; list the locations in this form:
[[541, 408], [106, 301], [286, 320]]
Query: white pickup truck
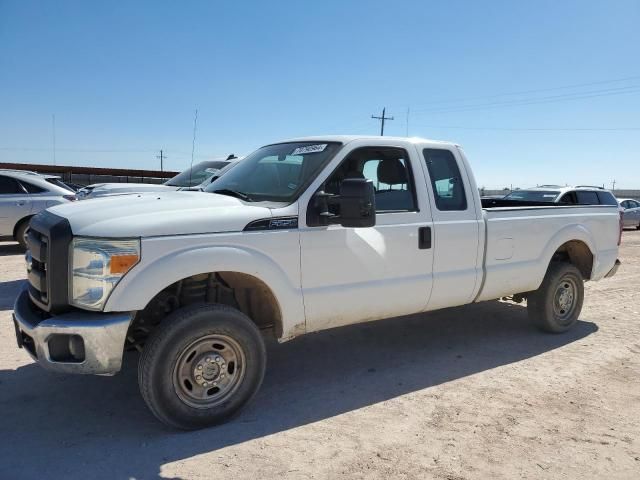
[[303, 235]]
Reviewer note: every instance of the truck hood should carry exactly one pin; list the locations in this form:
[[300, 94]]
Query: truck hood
[[158, 214]]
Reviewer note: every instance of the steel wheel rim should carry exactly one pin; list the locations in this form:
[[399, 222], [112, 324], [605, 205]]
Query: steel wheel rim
[[565, 299], [208, 371]]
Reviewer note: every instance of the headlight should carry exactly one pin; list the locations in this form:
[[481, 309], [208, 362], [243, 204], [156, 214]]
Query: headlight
[[97, 265]]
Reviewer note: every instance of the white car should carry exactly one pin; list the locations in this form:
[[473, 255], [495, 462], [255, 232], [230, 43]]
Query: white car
[[302, 235], [577, 195], [196, 178], [631, 213], [23, 194]]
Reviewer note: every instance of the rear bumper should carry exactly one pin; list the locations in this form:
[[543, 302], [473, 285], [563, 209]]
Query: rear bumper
[[74, 342], [613, 271]]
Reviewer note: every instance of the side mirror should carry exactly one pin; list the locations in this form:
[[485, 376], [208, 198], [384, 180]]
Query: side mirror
[[357, 203]]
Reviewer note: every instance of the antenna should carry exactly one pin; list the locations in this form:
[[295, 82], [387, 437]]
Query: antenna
[[53, 136], [193, 144], [407, 121]]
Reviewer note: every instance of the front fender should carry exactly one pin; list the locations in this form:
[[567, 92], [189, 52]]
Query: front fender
[[156, 271]]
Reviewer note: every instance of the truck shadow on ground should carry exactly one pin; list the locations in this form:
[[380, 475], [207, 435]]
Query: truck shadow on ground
[[98, 427]]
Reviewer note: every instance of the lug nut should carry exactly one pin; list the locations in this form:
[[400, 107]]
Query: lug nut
[[222, 376], [199, 367], [209, 359], [218, 359], [198, 377], [205, 384], [215, 384]]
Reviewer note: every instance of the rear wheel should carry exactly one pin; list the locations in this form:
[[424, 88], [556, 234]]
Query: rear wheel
[[202, 365], [556, 305]]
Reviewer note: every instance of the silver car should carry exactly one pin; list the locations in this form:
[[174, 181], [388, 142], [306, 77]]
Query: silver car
[[196, 178], [22, 195], [631, 213]]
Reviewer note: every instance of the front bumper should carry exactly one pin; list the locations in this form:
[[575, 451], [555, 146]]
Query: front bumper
[[74, 342]]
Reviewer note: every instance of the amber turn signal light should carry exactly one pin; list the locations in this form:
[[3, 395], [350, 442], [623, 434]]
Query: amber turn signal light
[[122, 263]]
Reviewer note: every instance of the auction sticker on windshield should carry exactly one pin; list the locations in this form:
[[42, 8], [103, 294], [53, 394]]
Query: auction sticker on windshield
[[309, 149]]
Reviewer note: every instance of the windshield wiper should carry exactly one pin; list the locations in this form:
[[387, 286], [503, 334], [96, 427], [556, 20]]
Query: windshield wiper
[[233, 193]]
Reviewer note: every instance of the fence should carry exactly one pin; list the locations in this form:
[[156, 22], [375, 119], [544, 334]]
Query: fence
[[89, 175]]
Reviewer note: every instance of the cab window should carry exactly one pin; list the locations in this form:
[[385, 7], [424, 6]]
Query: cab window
[[446, 180], [389, 170]]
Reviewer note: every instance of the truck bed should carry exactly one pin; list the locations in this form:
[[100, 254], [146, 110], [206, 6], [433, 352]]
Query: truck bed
[[521, 238]]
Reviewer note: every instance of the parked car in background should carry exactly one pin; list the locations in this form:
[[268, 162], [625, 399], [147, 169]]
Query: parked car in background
[[74, 186], [22, 195], [578, 195], [194, 178], [631, 212]]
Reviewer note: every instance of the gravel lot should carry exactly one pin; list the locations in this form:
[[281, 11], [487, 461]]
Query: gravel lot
[[472, 392]]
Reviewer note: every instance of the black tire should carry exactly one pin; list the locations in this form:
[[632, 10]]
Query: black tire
[[166, 357], [549, 307], [20, 233]]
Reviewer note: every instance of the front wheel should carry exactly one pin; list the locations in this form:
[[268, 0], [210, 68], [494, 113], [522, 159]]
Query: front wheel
[[556, 305], [202, 365]]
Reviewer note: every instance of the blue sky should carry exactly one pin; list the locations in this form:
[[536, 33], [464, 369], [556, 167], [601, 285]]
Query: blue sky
[[124, 78]]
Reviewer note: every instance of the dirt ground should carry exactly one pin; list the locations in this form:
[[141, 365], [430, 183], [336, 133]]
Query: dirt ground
[[468, 393]]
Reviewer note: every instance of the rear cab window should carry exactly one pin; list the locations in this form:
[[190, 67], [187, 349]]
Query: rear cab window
[[446, 180]]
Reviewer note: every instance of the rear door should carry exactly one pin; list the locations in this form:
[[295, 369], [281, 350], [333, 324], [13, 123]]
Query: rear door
[[457, 223], [14, 204], [357, 274]]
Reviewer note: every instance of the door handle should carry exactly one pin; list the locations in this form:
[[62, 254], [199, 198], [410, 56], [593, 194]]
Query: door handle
[[424, 238], [20, 203]]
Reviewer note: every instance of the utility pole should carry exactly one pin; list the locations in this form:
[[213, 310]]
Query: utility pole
[[382, 118], [613, 186], [162, 156]]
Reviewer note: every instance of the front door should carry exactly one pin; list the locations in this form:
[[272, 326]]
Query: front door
[[359, 274]]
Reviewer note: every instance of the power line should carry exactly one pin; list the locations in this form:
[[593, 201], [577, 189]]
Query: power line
[[524, 92], [382, 118], [534, 101], [74, 150], [536, 129]]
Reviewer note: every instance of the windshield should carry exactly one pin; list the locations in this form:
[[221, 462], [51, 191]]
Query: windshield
[[533, 195], [199, 173], [276, 173]]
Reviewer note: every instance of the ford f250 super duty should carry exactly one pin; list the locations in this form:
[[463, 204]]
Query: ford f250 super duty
[[301, 236]]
